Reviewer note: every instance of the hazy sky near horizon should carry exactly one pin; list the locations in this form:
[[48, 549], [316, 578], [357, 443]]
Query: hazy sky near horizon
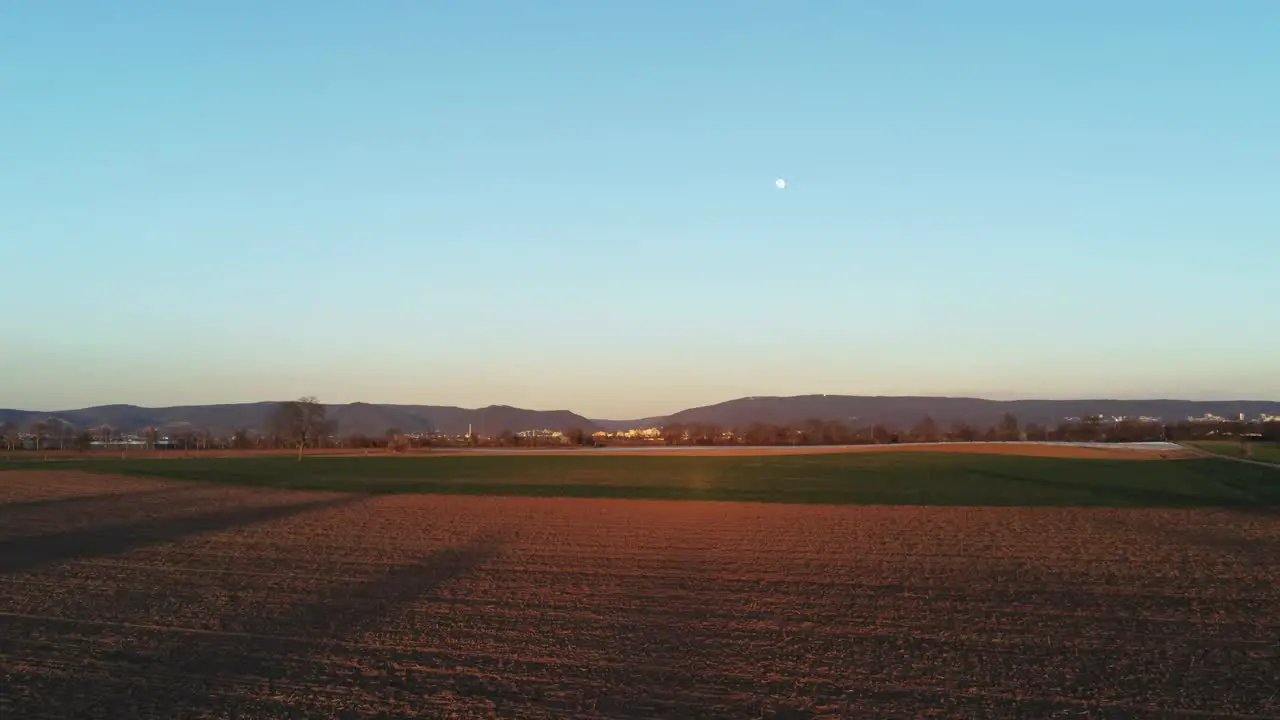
[[572, 204]]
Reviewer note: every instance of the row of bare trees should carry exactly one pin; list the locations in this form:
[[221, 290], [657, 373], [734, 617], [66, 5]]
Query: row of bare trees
[[297, 423], [46, 434], [56, 434], [303, 423], [1009, 428], [835, 432], [1230, 429]]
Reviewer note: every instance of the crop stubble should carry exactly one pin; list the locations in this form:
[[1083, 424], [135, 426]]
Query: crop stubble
[[145, 599]]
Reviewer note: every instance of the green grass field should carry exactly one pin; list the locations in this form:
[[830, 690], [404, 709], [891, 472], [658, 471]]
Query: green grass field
[[1261, 451], [856, 478]]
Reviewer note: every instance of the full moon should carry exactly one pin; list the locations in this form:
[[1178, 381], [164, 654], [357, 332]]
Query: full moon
[[780, 184]]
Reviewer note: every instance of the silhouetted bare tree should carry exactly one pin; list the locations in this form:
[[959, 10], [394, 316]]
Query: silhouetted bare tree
[[759, 434], [925, 431], [38, 429], [9, 435], [835, 432], [673, 434], [702, 433], [1093, 428], [60, 431], [395, 441], [962, 431], [862, 435], [811, 432], [881, 433], [299, 421], [1009, 428]]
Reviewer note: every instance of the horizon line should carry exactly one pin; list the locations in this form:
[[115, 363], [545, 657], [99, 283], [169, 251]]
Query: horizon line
[[660, 415]]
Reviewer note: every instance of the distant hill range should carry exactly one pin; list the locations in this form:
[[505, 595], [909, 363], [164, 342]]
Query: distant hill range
[[899, 411], [905, 411], [367, 418]]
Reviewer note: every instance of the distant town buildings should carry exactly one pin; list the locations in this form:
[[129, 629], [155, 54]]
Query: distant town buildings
[[118, 442], [1206, 418], [1116, 419], [542, 433]]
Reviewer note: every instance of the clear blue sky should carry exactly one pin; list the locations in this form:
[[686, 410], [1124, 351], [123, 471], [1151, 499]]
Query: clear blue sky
[[571, 204]]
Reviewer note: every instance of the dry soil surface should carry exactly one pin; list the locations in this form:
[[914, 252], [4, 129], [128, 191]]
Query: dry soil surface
[[126, 598], [1050, 450], [1080, 452]]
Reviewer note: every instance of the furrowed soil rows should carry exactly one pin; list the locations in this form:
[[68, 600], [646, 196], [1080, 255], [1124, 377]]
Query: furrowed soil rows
[[141, 599], [1078, 451]]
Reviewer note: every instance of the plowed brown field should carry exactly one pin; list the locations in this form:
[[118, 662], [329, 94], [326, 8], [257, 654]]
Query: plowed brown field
[[126, 598], [1077, 451]]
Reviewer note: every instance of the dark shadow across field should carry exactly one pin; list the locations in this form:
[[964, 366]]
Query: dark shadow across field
[[841, 479], [206, 669], [58, 506]]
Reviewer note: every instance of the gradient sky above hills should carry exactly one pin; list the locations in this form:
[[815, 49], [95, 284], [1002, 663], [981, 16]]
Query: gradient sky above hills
[[571, 204]]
